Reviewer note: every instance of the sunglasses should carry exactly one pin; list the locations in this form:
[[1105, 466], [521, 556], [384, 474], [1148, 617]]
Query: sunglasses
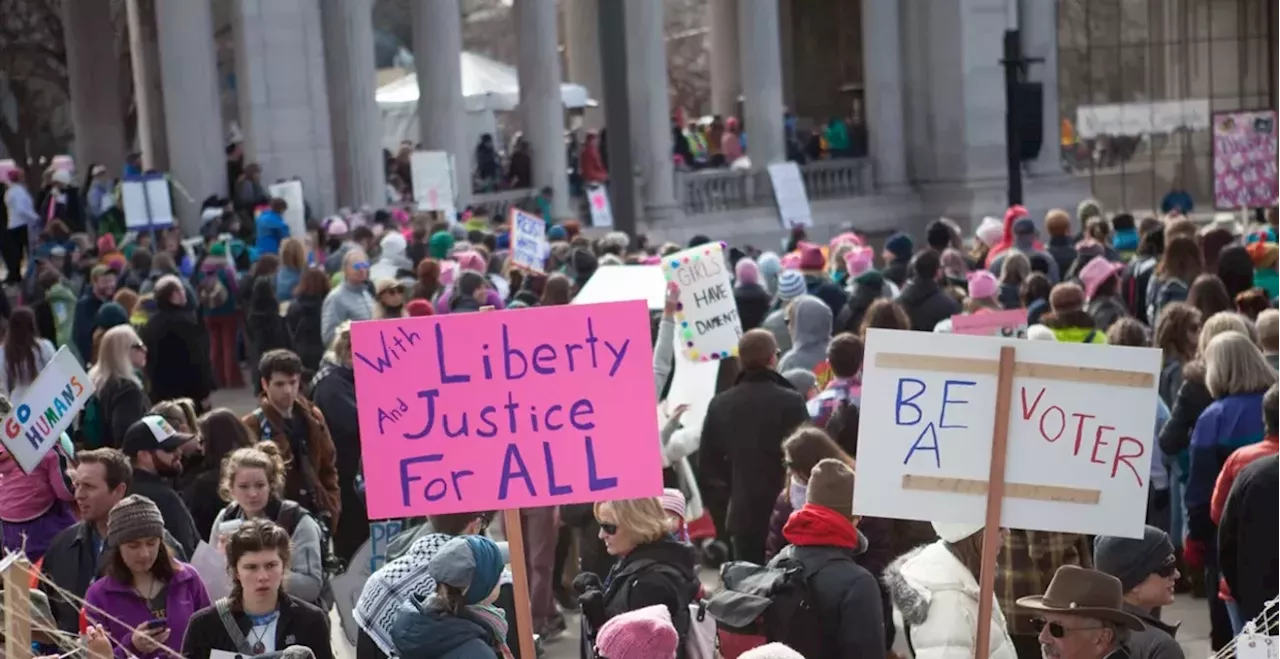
[[138, 346], [609, 529], [1167, 570], [1056, 629], [360, 265]]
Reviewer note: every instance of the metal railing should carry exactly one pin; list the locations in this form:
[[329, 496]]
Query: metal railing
[[712, 191], [496, 204]]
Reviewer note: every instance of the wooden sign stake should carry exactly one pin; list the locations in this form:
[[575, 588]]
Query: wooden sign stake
[[519, 574], [995, 499], [17, 597]]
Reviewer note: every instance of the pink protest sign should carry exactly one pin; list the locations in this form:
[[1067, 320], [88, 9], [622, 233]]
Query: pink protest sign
[[1011, 323], [510, 409]]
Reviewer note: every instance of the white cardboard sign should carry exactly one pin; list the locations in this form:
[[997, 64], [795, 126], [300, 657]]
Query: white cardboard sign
[[528, 240], [790, 195], [601, 209], [1079, 452], [433, 182], [619, 283], [50, 405], [146, 203], [707, 322], [296, 214]]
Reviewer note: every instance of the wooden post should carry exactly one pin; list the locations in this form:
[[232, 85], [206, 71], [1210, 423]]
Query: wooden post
[[17, 600], [520, 582], [995, 499], [519, 573]]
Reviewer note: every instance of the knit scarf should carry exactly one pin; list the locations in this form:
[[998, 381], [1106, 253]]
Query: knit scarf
[[815, 525], [496, 620]]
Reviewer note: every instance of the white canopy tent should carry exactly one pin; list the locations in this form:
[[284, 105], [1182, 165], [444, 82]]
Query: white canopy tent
[[488, 86]]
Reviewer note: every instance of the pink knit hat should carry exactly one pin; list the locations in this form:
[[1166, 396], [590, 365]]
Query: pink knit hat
[[673, 501], [859, 260], [982, 284], [791, 261], [747, 271], [811, 257], [471, 261], [641, 634]]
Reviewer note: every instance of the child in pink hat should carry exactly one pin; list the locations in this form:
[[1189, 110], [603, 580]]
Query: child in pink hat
[[641, 634]]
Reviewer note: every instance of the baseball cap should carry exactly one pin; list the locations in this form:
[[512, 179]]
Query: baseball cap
[[153, 433]]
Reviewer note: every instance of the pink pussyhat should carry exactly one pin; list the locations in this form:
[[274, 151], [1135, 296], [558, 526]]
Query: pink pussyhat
[[859, 260], [791, 261], [846, 237]]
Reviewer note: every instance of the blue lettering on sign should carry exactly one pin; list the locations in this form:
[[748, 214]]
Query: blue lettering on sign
[[909, 400], [436, 415]]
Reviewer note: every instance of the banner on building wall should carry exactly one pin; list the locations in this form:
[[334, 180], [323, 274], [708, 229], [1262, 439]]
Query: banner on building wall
[[1244, 159], [1133, 119]]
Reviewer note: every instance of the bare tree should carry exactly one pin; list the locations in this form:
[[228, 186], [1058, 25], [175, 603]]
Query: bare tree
[[688, 63], [33, 76]]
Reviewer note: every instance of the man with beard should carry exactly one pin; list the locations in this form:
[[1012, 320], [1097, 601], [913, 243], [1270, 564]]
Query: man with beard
[[154, 450]]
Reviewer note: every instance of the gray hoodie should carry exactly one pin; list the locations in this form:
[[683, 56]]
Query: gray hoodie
[[810, 331], [346, 302]]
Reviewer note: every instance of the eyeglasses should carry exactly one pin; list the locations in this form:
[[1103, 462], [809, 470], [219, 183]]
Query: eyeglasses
[[1167, 570], [138, 346], [1056, 629], [609, 529]]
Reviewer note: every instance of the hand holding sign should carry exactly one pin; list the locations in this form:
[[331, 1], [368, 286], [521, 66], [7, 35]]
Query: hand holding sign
[[672, 302]]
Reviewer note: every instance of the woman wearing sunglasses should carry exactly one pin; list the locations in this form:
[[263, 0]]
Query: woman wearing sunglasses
[[653, 567], [1147, 572], [935, 588]]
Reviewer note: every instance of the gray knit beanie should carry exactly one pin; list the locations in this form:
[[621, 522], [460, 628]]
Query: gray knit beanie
[[134, 518], [1131, 560]]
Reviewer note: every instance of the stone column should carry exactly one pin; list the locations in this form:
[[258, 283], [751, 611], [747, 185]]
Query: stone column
[[147, 91], [192, 106], [582, 43], [93, 71], [437, 50], [650, 108], [539, 45], [355, 124], [883, 82], [1039, 24], [726, 74], [284, 102], [760, 53]]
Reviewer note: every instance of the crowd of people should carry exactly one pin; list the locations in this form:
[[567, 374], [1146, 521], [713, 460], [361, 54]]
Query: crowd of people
[[151, 469]]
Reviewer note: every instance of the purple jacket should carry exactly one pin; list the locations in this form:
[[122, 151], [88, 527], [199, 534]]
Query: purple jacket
[[185, 596]]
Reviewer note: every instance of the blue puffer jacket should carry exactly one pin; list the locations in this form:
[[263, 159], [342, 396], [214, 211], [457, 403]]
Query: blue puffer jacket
[[1226, 425], [423, 630]]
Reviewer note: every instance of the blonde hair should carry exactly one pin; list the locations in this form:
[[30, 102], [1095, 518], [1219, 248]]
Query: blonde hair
[[263, 455], [113, 357], [1268, 325], [292, 254], [1224, 321], [643, 519], [1235, 365], [339, 351], [179, 412], [1015, 268]]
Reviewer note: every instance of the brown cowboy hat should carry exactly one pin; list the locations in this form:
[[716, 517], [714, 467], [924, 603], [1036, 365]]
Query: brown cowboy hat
[[1076, 591]]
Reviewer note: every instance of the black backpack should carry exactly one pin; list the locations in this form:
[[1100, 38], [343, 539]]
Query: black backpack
[[768, 604]]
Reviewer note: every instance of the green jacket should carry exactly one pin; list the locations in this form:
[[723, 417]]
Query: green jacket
[[62, 302]]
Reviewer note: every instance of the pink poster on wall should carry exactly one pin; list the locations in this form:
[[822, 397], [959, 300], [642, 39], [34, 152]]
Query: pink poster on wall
[[1244, 160]]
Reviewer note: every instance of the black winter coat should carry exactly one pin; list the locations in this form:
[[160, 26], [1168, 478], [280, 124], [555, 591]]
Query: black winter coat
[[302, 323], [927, 304], [847, 597], [826, 290], [896, 272], [121, 402], [867, 288], [333, 392], [299, 624], [742, 437], [177, 355], [1062, 251], [662, 572], [1193, 398], [1247, 536]]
